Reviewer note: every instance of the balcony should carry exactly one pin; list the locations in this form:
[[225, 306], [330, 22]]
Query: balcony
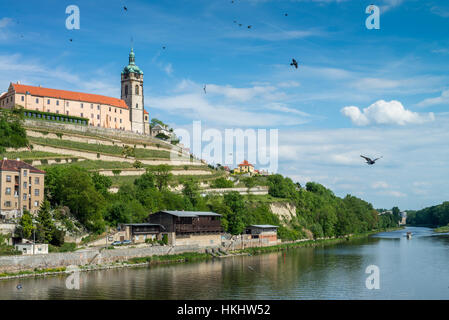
[[198, 228]]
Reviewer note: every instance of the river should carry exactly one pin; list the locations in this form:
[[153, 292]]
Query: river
[[408, 269]]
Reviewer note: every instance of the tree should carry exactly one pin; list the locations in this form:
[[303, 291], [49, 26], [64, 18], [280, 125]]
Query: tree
[[235, 202], [25, 227], [74, 187], [12, 133], [162, 136], [45, 225], [155, 122], [102, 183], [162, 175], [145, 181], [191, 191]]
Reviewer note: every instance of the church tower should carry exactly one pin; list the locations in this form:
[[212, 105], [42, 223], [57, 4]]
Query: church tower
[[132, 93]]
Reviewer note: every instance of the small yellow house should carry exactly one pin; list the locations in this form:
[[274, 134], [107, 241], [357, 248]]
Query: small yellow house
[[244, 167]]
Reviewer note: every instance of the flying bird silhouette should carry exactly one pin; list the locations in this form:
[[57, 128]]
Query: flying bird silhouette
[[125, 8], [163, 48], [204, 88], [249, 27], [369, 161], [286, 14], [240, 24], [71, 40], [294, 63]]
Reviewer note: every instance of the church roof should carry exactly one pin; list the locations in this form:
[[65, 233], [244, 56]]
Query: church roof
[[132, 67], [69, 95]]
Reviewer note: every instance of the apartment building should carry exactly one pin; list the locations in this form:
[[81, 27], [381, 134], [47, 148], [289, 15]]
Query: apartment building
[[21, 188]]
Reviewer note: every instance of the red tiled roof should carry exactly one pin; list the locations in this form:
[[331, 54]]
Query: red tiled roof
[[69, 95], [245, 163], [145, 111], [15, 165]]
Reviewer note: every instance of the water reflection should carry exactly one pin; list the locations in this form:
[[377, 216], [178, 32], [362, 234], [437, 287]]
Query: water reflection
[[409, 269]]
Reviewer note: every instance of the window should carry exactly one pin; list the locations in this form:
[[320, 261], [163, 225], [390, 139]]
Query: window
[[92, 106], [115, 110], [8, 204], [82, 106], [91, 115], [67, 103], [137, 106], [48, 110], [48, 101], [24, 185], [57, 102], [120, 111], [25, 172], [36, 180], [126, 90], [8, 178], [137, 89], [115, 119], [57, 111], [81, 114], [36, 192], [67, 113], [98, 117], [36, 203], [23, 98], [24, 196], [37, 100], [120, 120], [8, 191], [109, 109], [98, 107]]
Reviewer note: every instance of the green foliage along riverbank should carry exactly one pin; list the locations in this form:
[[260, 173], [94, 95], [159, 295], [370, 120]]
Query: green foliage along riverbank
[[435, 216]]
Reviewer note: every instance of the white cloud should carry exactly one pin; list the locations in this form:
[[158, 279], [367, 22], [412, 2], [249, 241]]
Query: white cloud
[[380, 185], [442, 99], [440, 11], [168, 69], [390, 4], [383, 112]]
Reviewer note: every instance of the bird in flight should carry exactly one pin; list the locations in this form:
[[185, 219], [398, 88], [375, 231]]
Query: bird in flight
[[369, 161], [240, 24], [125, 8], [71, 40], [294, 63], [286, 14], [204, 88], [249, 27], [163, 48]]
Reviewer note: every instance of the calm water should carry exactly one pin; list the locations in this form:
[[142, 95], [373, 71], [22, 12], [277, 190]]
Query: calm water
[[409, 269]]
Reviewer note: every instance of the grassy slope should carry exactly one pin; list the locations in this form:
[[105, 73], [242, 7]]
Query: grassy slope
[[104, 149]]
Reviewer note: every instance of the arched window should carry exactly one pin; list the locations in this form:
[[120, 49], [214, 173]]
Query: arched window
[[137, 89], [126, 90]]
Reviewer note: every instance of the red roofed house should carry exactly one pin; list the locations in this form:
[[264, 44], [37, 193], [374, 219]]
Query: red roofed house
[[244, 167], [21, 188], [127, 113]]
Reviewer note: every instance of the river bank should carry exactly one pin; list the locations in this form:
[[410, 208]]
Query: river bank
[[187, 256]]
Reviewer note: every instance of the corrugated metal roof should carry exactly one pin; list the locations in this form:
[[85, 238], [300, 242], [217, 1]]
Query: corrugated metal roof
[[263, 226], [191, 213]]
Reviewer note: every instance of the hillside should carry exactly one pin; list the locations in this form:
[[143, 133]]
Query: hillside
[[122, 156]]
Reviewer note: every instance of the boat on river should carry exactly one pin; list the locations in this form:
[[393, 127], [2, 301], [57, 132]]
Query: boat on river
[[409, 235]]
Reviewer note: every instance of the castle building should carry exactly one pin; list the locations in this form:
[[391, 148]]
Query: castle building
[[126, 114]]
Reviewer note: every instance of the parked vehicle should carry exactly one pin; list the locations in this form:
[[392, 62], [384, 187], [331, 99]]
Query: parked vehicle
[[126, 242], [116, 243]]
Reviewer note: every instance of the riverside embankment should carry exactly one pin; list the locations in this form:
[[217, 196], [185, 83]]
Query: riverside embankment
[[54, 263]]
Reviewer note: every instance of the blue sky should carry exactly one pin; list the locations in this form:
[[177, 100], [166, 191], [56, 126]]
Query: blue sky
[[398, 74]]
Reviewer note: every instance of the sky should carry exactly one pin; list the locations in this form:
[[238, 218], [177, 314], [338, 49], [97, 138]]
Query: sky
[[379, 92]]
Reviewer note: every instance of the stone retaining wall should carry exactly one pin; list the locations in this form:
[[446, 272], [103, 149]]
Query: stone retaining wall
[[55, 260]]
